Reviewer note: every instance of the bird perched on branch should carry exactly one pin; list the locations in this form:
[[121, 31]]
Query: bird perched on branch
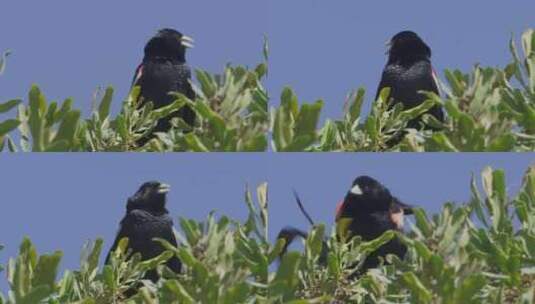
[[164, 70], [409, 71], [147, 218], [371, 211], [368, 210]]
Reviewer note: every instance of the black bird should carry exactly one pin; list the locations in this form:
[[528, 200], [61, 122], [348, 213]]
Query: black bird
[[147, 218], [371, 211], [409, 71], [368, 210], [164, 70]]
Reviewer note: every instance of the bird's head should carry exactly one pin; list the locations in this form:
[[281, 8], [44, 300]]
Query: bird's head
[[169, 43], [407, 45], [151, 196], [367, 196]]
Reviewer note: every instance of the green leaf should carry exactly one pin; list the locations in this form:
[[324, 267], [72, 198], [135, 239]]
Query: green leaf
[[68, 126], [300, 143], [172, 290], [36, 295], [92, 259], [8, 126], [503, 143], [422, 223], [373, 245], [65, 108], [286, 278], [46, 270], [356, 105], [195, 144], [470, 287], [208, 85], [289, 101], [36, 120], [104, 107], [11, 145], [308, 118], [8, 105], [417, 288]]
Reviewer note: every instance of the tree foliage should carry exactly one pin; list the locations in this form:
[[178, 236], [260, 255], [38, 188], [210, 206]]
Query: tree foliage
[[231, 108], [482, 251]]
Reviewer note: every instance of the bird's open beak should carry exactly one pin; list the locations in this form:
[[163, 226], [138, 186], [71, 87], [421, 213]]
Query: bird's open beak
[[164, 188], [407, 209], [187, 41]]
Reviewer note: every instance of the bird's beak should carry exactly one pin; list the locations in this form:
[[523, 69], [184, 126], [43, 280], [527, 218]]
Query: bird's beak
[[187, 41], [164, 188], [407, 209]]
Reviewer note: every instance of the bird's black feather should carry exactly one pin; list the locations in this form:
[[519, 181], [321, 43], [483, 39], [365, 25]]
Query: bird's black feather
[[370, 208], [163, 71], [147, 218], [407, 72]]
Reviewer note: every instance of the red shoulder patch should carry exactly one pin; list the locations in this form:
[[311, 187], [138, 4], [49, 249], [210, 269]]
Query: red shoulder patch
[[398, 219], [339, 208]]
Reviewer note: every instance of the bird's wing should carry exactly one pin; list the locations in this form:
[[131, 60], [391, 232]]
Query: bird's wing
[[386, 82], [127, 228], [168, 234], [190, 93], [183, 79]]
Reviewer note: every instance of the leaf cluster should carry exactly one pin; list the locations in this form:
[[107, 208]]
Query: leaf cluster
[[482, 251], [231, 112]]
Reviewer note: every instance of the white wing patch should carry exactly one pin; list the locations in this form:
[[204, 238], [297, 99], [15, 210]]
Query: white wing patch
[[356, 190]]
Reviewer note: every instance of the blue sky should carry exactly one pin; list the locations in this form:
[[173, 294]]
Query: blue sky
[[62, 200]]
